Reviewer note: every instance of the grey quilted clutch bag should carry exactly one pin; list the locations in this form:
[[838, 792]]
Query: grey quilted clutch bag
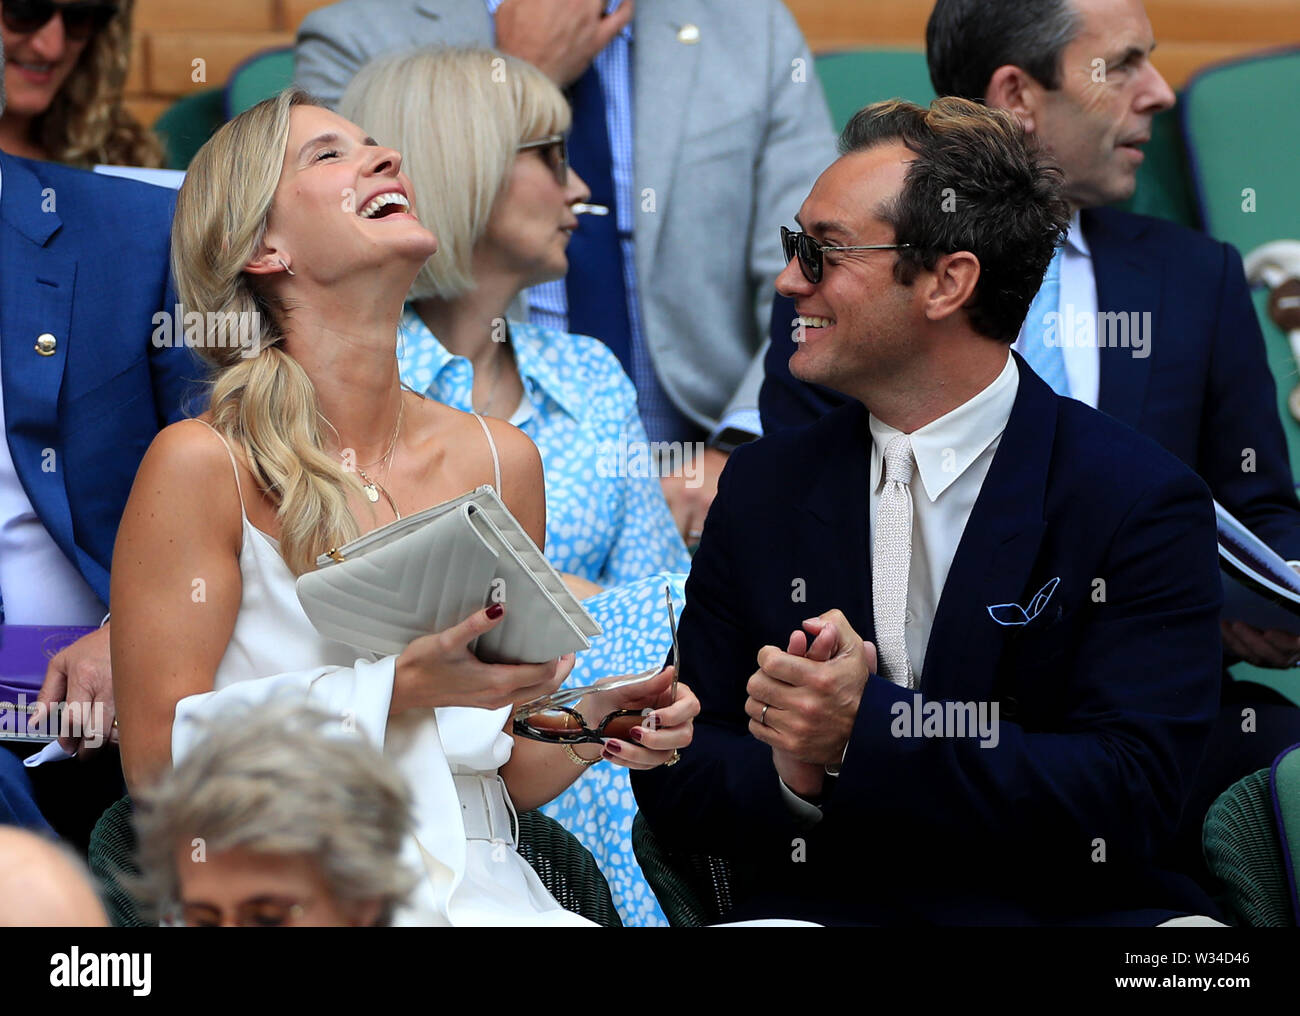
[[430, 571]]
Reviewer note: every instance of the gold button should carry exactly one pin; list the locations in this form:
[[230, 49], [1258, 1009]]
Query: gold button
[[46, 344], [689, 34]]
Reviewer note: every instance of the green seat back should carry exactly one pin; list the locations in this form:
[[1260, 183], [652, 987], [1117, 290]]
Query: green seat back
[[186, 124], [693, 889], [1286, 795], [1241, 124], [854, 78], [259, 77], [1242, 127], [1243, 851], [566, 868], [112, 861]]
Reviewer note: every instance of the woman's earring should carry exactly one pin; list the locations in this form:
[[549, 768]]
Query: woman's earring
[[286, 267]]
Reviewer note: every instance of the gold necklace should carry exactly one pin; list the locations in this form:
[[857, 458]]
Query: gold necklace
[[372, 488]]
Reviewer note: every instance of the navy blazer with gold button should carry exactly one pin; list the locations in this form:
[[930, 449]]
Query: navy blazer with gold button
[[83, 270]]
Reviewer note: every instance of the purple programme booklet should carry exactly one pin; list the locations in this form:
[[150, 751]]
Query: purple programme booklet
[[25, 654]]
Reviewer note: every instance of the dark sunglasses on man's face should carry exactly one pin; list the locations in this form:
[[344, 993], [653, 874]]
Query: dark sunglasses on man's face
[[809, 252], [80, 20], [555, 150]]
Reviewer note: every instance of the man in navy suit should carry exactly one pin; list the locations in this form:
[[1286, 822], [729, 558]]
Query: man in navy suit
[[85, 386], [1147, 321], [1038, 585]]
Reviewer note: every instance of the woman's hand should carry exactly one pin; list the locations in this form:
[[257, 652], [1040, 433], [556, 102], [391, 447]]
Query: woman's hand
[[439, 670], [668, 727]]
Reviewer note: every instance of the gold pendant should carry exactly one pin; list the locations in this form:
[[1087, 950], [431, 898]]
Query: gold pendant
[[372, 492]]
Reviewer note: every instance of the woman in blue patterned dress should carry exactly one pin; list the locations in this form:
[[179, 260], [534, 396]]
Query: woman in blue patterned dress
[[482, 134]]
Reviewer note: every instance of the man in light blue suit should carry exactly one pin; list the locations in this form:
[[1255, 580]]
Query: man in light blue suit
[[83, 275], [715, 125]]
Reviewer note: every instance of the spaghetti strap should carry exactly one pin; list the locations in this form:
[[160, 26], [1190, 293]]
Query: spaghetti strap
[[233, 465], [496, 459]]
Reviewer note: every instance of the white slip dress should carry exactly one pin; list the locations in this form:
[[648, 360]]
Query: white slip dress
[[464, 843]]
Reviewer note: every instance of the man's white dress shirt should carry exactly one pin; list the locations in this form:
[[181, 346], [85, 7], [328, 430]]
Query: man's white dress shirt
[[953, 455]]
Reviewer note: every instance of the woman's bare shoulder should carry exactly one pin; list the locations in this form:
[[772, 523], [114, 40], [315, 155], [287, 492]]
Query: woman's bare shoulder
[[189, 466]]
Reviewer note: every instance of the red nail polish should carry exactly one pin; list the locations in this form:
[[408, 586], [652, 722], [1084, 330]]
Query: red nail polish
[[495, 611], [613, 746], [635, 732]]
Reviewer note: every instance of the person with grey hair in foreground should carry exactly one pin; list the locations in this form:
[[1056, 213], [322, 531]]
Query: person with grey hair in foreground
[[44, 885], [273, 820]]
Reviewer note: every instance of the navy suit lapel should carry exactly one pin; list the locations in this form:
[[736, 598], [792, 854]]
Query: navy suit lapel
[[36, 286], [998, 549], [1126, 283], [838, 502]]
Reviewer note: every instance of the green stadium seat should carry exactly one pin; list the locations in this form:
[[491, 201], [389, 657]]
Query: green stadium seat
[[187, 124], [259, 77], [1241, 126], [1251, 839], [853, 78]]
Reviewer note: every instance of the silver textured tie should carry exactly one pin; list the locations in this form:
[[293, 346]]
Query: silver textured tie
[[892, 560]]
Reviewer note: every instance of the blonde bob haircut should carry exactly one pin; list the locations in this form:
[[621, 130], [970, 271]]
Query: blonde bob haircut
[[458, 117], [262, 401], [273, 779]]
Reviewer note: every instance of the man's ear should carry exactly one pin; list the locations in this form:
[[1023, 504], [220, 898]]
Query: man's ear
[[953, 283], [1014, 90]]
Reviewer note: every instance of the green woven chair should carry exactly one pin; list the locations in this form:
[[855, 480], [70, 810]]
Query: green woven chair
[[259, 77], [1244, 851], [694, 889], [564, 865], [186, 124], [566, 868], [112, 856]]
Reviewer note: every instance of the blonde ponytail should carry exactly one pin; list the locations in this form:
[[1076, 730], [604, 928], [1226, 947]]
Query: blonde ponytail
[[262, 400]]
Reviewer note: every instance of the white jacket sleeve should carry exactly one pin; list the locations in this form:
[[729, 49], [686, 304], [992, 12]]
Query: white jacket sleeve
[[359, 696]]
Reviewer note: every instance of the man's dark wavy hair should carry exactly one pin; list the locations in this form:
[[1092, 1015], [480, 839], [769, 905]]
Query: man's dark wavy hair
[[977, 184], [967, 40]]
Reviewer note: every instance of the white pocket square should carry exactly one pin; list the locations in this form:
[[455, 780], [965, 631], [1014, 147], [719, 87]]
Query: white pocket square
[[1011, 615]]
